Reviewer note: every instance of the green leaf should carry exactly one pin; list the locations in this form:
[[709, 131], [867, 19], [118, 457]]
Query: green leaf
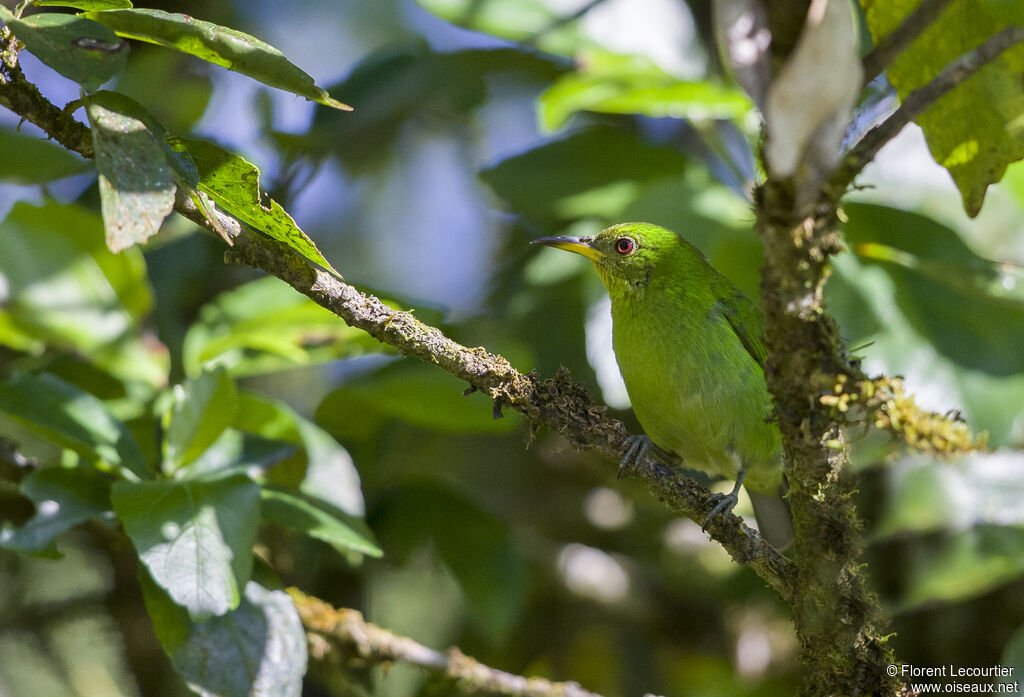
[[956, 299], [201, 409], [236, 452], [31, 160], [63, 499], [256, 650], [344, 532], [538, 181], [78, 48], [411, 392], [974, 131], [616, 84], [86, 4], [169, 85], [219, 45], [61, 413], [194, 537], [515, 20], [323, 471], [136, 183], [265, 326], [234, 184]]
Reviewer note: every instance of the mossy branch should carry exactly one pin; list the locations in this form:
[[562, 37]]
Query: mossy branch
[[343, 636]]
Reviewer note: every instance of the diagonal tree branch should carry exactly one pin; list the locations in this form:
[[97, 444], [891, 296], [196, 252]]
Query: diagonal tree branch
[[916, 103], [350, 638], [894, 43]]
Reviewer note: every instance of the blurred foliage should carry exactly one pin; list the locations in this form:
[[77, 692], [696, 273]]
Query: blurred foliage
[[161, 392]]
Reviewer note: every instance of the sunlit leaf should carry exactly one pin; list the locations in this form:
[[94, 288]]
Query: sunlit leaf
[[219, 45], [78, 48], [234, 184], [86, 4], [344, 532], [256, 650], [617, 84], [974, 131], [264, 325], [201, 408], [194, 537]]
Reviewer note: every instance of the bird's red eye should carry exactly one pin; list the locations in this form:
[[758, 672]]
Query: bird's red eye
[[624, 245]]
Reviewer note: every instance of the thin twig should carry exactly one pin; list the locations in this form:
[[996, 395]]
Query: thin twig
[[354, 640], [917, 102], [894, 43]]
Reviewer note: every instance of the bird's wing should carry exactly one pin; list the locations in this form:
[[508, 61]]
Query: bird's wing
[[744, 317]]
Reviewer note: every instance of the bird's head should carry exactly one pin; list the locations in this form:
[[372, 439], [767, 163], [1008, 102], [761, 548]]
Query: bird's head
[[626, 255]]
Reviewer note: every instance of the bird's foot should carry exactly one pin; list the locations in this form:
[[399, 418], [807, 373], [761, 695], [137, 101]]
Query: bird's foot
[[724, 503], [723, 506], [633, 449]]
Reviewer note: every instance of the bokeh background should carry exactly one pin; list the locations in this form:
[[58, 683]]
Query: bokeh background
[[525, 554]]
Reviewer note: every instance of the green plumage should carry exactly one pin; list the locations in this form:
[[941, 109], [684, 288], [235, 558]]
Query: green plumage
[[688, 344]]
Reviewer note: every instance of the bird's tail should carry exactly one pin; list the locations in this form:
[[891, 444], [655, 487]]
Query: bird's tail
[[773, 519]]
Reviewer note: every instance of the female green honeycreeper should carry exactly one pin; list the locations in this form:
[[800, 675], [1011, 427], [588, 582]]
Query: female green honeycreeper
[[688, 345]]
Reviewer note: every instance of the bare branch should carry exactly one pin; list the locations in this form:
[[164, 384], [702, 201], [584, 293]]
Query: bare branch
[[344, 632], [917, 102], [901, 37]]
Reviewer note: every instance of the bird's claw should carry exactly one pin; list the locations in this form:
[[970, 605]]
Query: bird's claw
[[634, 448], [723, 506]]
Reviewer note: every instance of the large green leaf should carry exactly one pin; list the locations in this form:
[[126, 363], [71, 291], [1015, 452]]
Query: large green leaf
[[136, 181], [61, 413], [617, 84], [264, 326], [234, 184], [413, 393], [63, 498], [344, 532], [974, 131], [86, 4], [517, 20], [31, 160], [955, 298], [201, 408], [323, 470], [78, 48], [256, 650], [194, 537], [222, 46], [234, 452], [538, 181]]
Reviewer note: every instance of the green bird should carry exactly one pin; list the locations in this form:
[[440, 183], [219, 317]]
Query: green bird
[[688, 345]]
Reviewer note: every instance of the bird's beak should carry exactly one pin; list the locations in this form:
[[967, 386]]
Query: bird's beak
[[580, 245]]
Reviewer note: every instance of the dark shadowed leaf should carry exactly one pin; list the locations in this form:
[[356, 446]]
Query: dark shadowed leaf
[[535, 182], [256, 650], [201, 409], [136, 181], [78, 48], [222, 46], [264, 326], [473, 544], [414, 393], [61, 413], [31, 160], [234, 184], [344, 532], [63, 499], [194, 537]]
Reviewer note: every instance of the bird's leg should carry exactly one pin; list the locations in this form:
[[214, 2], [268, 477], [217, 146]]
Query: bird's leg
[[725, 502], [634, 448]]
